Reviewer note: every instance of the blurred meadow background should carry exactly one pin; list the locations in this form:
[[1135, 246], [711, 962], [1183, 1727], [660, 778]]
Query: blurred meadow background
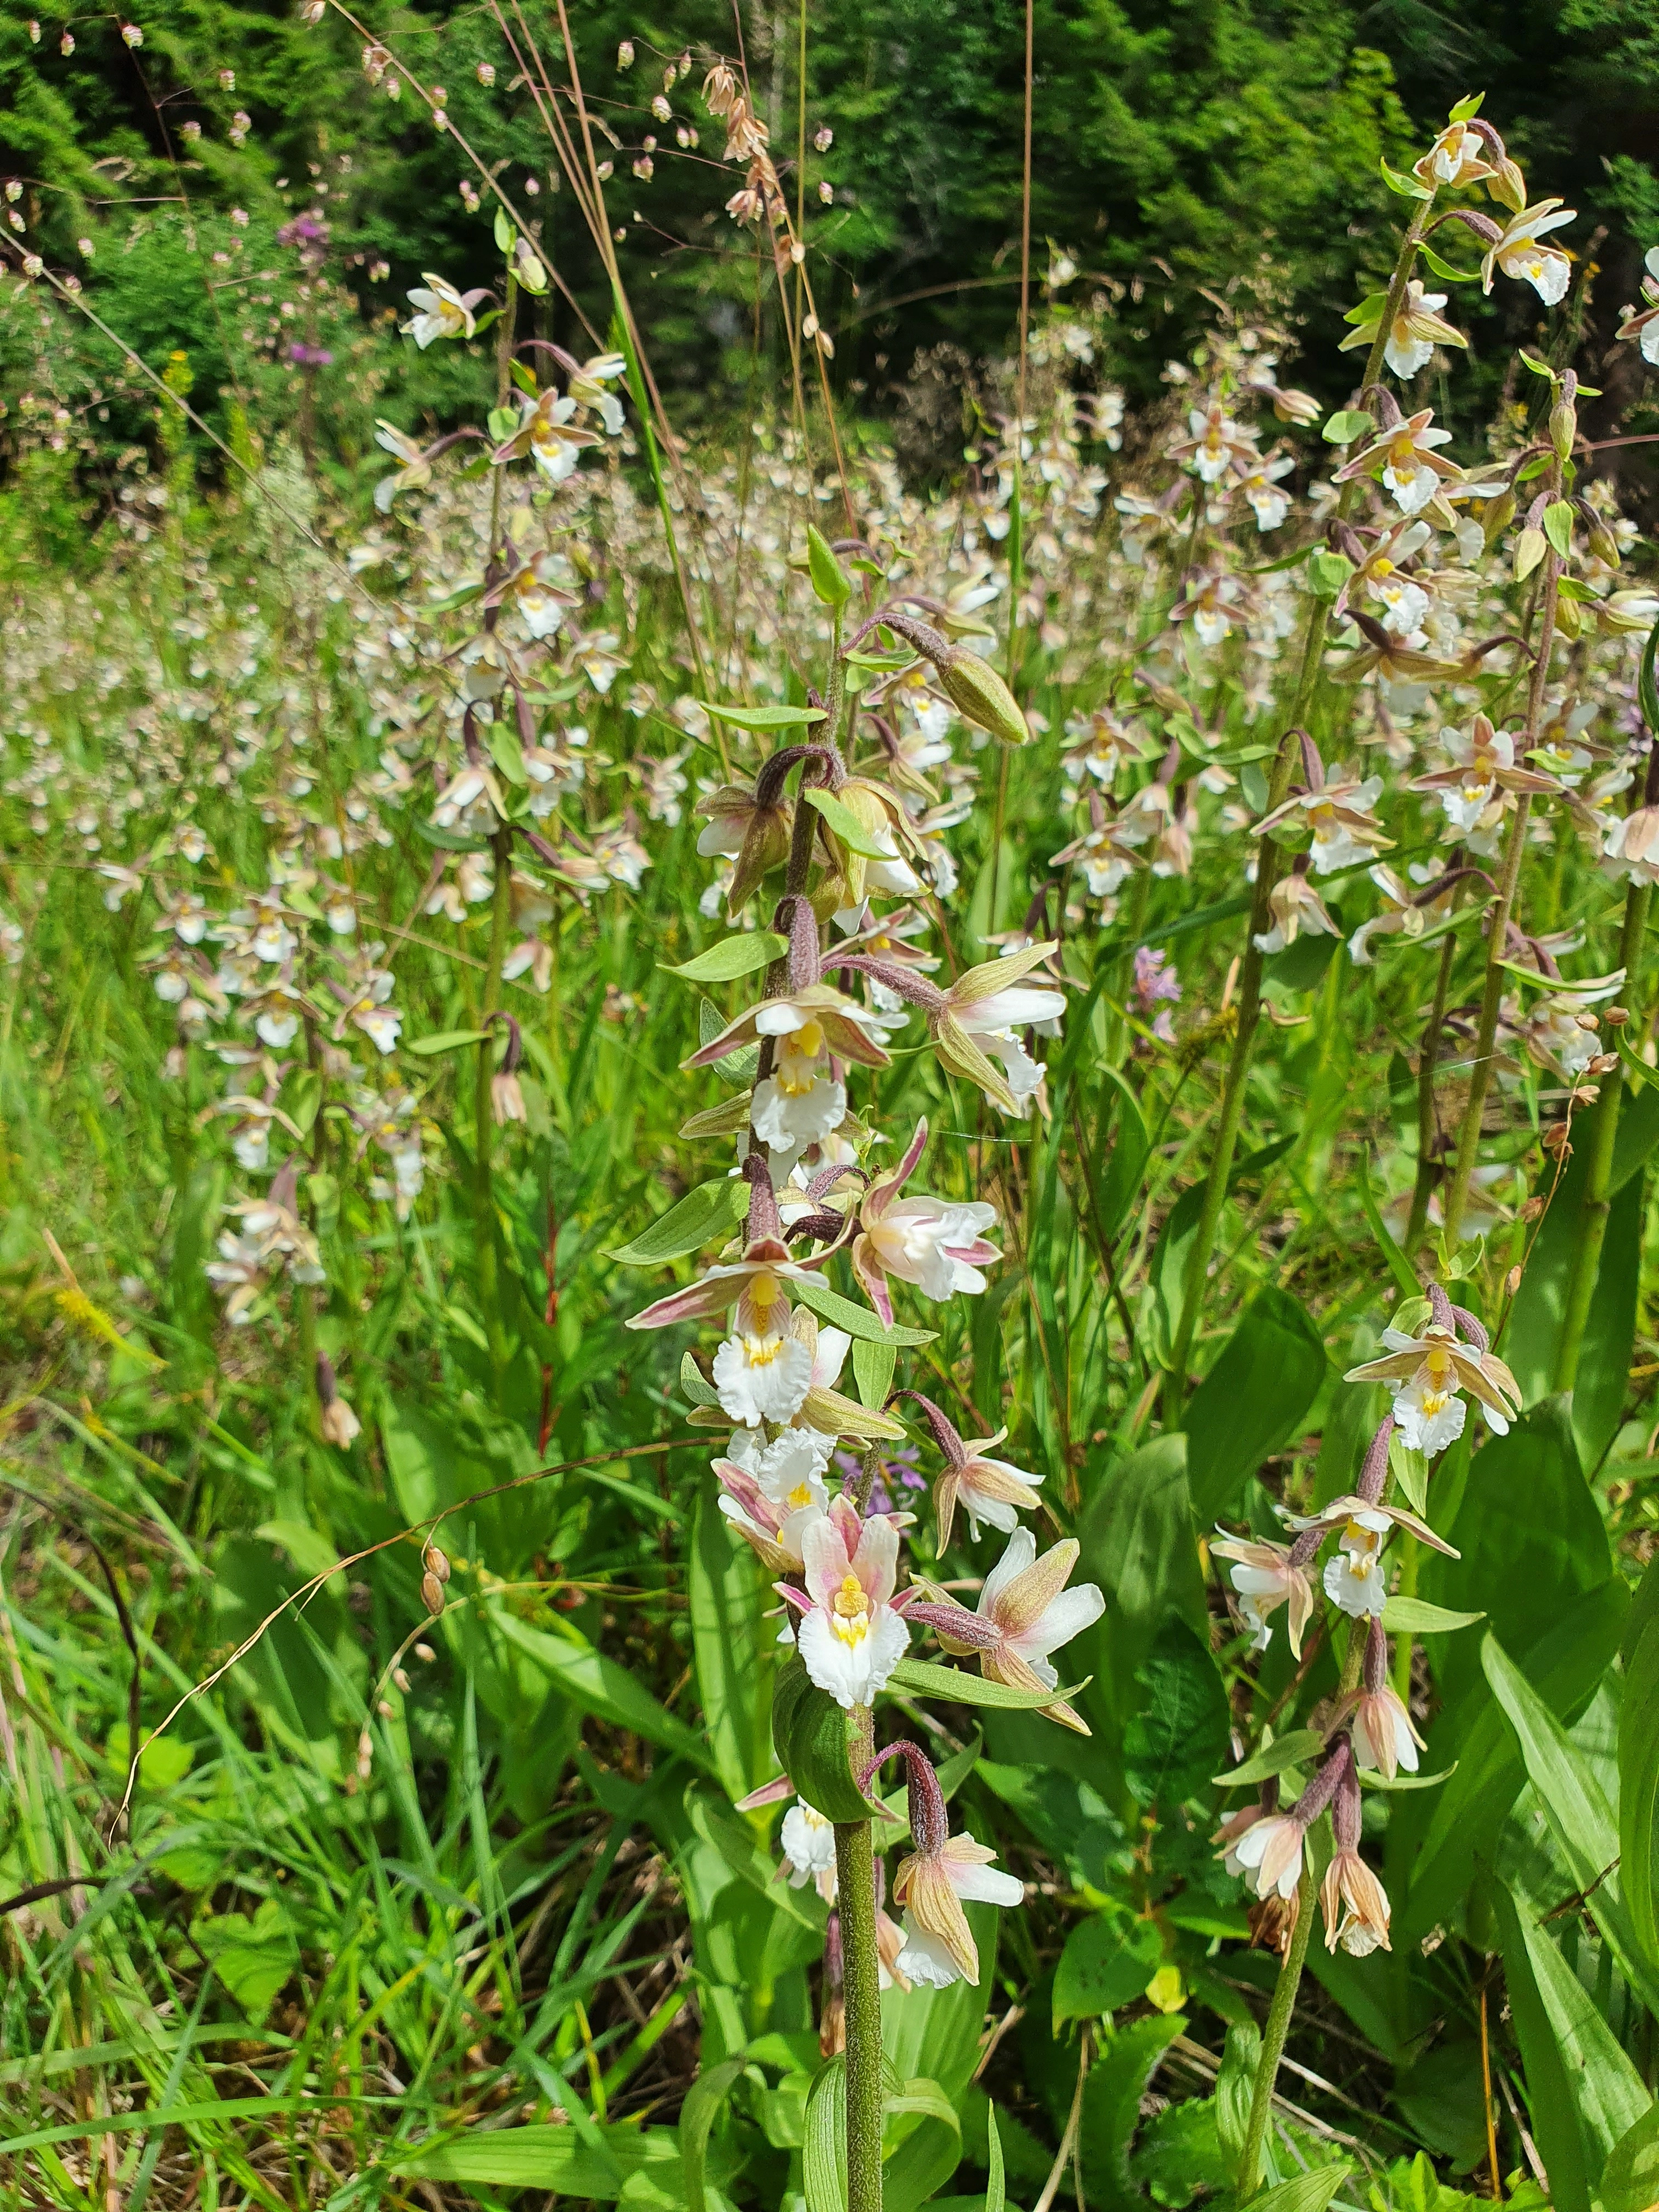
[[381, 1685]]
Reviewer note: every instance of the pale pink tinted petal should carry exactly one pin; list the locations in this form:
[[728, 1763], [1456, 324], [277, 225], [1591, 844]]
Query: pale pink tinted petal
[[825, 1557], [876, 1563]]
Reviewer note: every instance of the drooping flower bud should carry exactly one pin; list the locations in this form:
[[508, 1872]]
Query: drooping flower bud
[[967, 679]]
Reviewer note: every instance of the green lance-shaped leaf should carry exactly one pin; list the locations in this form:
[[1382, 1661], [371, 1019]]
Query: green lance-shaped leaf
[[829, 580], [733, 957], [704, 1215]]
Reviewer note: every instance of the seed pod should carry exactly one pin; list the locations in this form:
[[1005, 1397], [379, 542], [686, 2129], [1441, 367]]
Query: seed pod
[[434, 1563], [1500, 512], [980, 697], [1564, 428], [1603, 545], [1616, 1017], [1512, 1281], [432, 1593]]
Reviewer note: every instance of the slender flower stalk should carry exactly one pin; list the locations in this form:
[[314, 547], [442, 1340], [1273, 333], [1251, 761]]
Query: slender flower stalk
[[1486, 1036], [855, 1878], [1224, 1143], [484, 1119]]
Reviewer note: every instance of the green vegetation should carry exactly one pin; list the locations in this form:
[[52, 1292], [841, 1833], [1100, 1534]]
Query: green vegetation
[[805, 1187]]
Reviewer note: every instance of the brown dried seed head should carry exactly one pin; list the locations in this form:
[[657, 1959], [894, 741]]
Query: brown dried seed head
[[1512, 1281], [436, 1564], [432, 1594]]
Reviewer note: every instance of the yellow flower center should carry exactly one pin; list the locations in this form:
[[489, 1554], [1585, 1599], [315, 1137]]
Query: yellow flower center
[[799, 1496], [796, 1071], [1382, 567], [849, 1610]]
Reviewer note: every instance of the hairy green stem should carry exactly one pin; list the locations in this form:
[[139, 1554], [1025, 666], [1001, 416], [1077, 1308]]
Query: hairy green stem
[[1268, 864], [1598, 1166], [1274, 2035], [855, 1878], [489, 1301]]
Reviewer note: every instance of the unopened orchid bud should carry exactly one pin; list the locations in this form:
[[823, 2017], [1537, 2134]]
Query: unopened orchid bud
[[1603, 545], [1507, 185], [1512, 1281], [1530, 551], [1564, 428], [1569, 618], [1616, 1017], [625, 54], [1497, 516], [980, 697]]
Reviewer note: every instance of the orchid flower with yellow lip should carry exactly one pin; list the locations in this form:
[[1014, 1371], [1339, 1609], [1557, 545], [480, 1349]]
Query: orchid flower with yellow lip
[[1482, 763], [1217, 444], [1415, 331], [1338, 818], [441, 312], [546, 435], [816, 1017], [1295, 905], [414, 475], [1425, 1371], [1403, 457], [1517, 252], [774, 1529], [1401, 914], [850, 1634], [1105, 855], [1457, 158], [981, 1012]]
